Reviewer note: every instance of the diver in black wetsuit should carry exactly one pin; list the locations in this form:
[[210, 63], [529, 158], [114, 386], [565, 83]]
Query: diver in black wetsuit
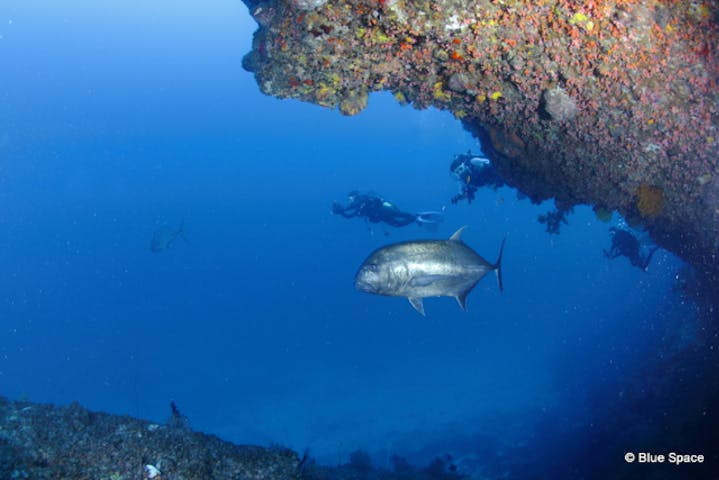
[[376, 209], [473, 172], [625, 244], [554, 219]]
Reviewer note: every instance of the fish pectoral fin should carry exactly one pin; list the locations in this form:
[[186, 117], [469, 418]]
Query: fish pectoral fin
[[417, 304]]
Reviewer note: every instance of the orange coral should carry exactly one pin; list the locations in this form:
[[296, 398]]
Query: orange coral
[[650, 200]]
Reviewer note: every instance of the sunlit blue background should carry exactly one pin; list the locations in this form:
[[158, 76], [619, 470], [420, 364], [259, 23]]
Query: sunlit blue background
[[118, 117]]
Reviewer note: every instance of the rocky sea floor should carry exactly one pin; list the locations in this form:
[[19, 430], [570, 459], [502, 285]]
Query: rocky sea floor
[[41, 441]]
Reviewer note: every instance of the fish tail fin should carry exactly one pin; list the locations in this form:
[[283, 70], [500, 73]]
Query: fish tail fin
[[498, 266]]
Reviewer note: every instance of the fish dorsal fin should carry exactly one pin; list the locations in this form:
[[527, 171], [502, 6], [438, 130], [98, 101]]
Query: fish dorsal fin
[[417, 304], [457, 236]]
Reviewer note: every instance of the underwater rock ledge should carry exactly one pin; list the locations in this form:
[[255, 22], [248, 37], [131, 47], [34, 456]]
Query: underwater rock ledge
[[45, 442], [608, 103]]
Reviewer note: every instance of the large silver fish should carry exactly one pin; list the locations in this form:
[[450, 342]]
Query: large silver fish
[[426, 268]]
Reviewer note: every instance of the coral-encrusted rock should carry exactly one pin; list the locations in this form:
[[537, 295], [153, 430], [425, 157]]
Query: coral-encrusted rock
[[46, 442], [353, 103], [308, 4], [585, 102], [558, 105]]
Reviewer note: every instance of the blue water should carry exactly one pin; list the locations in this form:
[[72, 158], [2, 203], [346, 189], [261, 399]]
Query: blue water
[[118, 118]]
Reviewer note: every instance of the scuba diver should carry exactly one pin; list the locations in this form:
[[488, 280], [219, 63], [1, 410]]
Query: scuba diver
[[375, 209], [625, 244], [554, 219], [473, 171]]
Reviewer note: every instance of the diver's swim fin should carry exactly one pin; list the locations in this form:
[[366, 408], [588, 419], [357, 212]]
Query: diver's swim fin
[[430, 217]]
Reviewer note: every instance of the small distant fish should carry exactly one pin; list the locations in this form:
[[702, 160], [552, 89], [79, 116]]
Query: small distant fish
[[164, 236], [426, 268]]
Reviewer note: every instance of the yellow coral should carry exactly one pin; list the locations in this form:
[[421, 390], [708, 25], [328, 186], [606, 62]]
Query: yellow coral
[[353, 103], [439, 93], [650, 200], [335, 80], [381, 37], [703, 11], [495, 95], [324, 91], [578, 18]]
